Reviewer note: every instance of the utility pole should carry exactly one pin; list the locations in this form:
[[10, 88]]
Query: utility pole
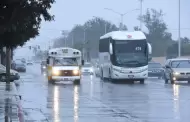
[[8, 64], [179, 31], [105, 27], [141, 2], [121, 23], [65, 34], [83, 49], [72, 39]]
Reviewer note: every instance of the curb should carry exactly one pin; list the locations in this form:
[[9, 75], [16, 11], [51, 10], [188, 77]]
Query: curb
[[20, 109]]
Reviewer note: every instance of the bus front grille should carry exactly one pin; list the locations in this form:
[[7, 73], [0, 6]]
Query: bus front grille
[[66, 73]]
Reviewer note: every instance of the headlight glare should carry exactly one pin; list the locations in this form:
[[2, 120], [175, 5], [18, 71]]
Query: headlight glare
[[75, 72], [55, 72], [176, 73]]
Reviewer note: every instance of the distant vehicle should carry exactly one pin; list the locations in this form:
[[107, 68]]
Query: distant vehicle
[[97, 70], [88, 69], [20, 67], [43, 66], [23, 60], [177, 69], [64, 64], [29, 63], [155, 70], [124, 55], [14, 75]]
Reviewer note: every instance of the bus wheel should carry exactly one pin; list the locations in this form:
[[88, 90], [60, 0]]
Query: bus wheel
[[142, 81], [51, 81], [102, 77], [110, 78], [76, 82]]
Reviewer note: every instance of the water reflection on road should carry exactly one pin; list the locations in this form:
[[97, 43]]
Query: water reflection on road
[[56, 104], [176, 101], [76, 103], [99, 101]]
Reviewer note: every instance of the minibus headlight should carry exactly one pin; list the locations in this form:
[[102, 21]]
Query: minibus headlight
[[55, 72], [75, 72]]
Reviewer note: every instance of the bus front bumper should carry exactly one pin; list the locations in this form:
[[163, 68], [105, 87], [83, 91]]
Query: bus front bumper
[[135, 76], [65, 78]]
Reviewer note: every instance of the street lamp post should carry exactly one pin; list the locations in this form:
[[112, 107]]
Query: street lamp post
[[141, 1], [179, 31], [65, 34], [121, 15], [84, 36]]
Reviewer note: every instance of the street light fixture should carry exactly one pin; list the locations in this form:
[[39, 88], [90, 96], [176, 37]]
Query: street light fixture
[[121, 14]]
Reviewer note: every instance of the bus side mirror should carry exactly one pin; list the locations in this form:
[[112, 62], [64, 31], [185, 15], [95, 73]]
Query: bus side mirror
[[167, 66], [149, 58], [111, 49], [82, 62], [47, 61]]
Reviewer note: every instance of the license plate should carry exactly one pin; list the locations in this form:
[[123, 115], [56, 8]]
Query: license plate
[[131, 76], [66, 79]]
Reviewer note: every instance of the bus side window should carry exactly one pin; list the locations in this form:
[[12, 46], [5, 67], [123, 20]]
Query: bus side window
[[104, 45]]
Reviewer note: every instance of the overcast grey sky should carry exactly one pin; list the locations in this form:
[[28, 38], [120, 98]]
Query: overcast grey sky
[[70, 12]]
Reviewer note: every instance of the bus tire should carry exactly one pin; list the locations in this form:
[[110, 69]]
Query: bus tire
[[51, 81], [102, 75], [110, 78], [77, 82], [142, 81]]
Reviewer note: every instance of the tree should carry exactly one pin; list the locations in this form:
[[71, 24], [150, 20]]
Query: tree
[[90, 31], [136, 28], [157, 35], [20, 21]]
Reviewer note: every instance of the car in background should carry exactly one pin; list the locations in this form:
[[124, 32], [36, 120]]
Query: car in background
[[97, 70], [87, 69], [177, 69], [29, 62], [155, 70], [14, 75], [20, 67], [43, 66]]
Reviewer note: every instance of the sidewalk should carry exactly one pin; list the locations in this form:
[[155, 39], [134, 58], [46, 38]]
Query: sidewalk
[[10, 106]]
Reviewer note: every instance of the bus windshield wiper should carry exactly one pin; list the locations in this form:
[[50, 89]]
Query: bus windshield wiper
[[131, 62]]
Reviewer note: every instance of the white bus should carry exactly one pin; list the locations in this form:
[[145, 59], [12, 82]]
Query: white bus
[[124, 55], [64, 64]]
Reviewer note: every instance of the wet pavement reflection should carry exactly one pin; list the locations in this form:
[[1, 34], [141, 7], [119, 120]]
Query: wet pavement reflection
[[95, 100]]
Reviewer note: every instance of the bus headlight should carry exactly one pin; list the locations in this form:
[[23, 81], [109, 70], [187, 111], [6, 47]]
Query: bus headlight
[[55, 72], [76, 72]]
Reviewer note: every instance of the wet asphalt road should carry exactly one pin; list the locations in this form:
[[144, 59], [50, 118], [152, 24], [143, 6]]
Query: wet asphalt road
[[97, 101]]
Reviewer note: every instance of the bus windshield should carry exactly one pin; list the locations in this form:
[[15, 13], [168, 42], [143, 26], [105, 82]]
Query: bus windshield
[[131, 52], [65, 62]]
